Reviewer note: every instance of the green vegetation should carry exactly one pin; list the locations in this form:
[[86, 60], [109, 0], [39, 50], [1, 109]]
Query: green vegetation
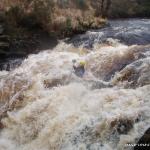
[[68, 27]]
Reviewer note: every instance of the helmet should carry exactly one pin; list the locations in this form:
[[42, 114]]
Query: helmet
[[82, 63]]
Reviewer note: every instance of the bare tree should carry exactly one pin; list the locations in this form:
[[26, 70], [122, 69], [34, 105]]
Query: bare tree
[[108, 4], [104, 6]]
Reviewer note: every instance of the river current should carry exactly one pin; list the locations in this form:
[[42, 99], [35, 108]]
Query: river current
[[45, 106]]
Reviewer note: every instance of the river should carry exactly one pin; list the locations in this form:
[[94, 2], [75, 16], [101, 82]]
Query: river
[[45, 106]]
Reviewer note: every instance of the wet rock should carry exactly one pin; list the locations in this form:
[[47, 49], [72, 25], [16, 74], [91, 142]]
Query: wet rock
[[50, 84], [10, 64], [135, 74], [122, 126], [145, 139], [55, 82]]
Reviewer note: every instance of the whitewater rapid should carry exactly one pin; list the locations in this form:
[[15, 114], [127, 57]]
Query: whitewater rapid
[[45, 106]]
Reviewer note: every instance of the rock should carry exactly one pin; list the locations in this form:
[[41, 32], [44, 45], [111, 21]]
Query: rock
[[144, 140], [122, 126]]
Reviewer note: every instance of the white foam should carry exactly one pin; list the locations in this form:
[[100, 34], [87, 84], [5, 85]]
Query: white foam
[[66, 114]]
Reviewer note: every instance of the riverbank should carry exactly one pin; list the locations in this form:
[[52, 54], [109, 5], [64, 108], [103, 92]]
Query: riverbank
[[20, 46], [28, 42]]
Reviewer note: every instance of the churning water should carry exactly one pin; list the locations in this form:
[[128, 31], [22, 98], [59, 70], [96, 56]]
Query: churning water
[[45, 106]]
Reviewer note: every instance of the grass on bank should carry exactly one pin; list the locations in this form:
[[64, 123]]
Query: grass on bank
[[62, 18]]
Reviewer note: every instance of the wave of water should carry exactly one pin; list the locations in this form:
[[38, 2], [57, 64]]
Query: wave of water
[[45, 106], [129, 32]]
